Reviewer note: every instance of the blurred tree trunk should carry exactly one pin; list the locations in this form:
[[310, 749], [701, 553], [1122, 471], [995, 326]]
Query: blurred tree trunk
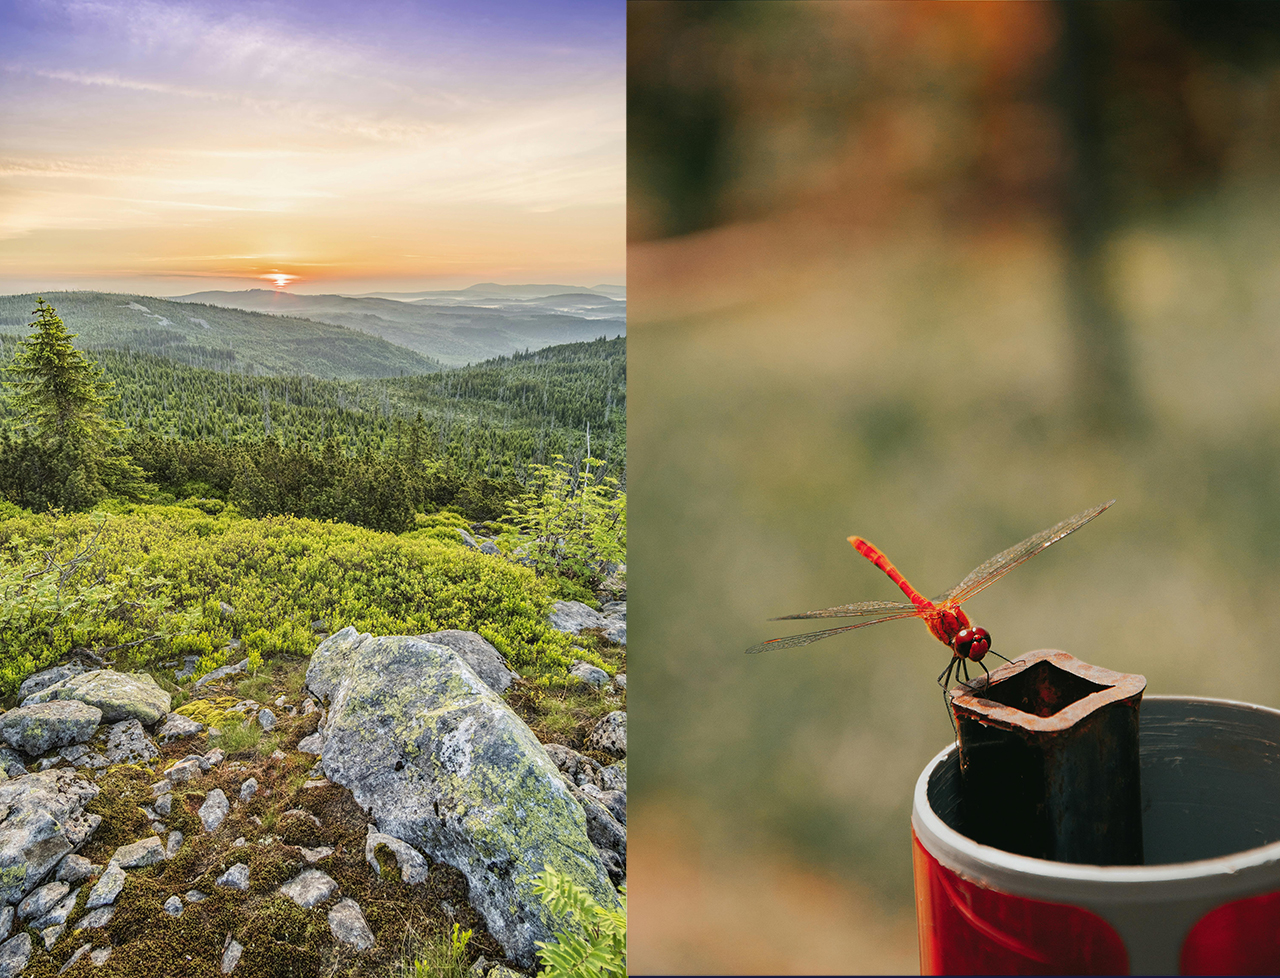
[[1103, 381]]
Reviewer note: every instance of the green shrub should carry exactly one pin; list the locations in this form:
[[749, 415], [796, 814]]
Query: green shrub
[[571, 524], [151, 583], [599, 945]]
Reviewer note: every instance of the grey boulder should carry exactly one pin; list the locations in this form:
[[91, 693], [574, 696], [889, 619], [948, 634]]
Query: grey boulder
[[119, 695], [442, 763], [42, 819], [40, 727], [485, 661], [610, 734]]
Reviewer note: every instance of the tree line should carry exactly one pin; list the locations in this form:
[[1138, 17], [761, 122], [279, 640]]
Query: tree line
[[367, 452]]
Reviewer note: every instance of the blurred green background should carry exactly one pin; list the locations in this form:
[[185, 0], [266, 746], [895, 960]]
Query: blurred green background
[[939, 275]]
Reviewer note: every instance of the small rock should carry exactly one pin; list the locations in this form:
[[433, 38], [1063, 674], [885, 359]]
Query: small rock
[[301, 813], [309, 887], [266, 719], [148, 852], [214, 758], [614, 777], [42, 900], [413, 867], [195, 896], [214, 809], [184, 770], [128, 743], [231, 956], [620, 680], [502, 971], [161, 787], [237, 877], [589, 674], [99, 957], [280, 700], [248, 788], [615, 801], [59, 914], [108, 887], [222, 673], [51, 935], [226, 610], [164, 804], [6, 922], [578, 768], [174, 844], [610, 734], [348, 926], [98, 918], [177, 726], [315, 855], [173, 905], [82, 950], [312, 743]]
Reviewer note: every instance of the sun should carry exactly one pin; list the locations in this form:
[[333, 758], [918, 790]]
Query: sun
[[280, 279]]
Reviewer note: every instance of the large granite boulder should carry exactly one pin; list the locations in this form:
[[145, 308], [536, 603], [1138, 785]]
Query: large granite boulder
[[42, 819], [485, 661], [442, 763], [119, 695]]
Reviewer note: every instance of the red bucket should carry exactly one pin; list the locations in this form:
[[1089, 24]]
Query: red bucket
[[1206, 900]]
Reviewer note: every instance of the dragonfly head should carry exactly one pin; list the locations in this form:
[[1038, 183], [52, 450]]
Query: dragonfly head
[[972, 643]]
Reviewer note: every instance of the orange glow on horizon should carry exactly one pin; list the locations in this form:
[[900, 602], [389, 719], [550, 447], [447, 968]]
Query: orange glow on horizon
[[281, 280]]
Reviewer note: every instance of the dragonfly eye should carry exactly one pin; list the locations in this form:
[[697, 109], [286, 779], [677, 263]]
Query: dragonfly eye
[[972, 643]]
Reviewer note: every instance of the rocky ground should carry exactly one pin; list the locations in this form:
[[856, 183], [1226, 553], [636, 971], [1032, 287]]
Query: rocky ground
[[206, 839]]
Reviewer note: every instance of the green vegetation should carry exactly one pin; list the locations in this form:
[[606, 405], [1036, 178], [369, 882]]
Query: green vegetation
[[574, 525], [437, 955], [600, 945], [67, 452], [146, 583], [369, 452]]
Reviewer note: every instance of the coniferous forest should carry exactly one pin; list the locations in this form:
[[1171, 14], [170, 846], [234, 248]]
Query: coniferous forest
[[371, 452]]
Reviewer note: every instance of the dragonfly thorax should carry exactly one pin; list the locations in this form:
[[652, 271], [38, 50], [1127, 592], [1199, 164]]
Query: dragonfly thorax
[[946, 623]]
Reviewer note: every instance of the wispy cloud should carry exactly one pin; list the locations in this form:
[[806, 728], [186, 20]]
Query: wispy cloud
[[325, 120]]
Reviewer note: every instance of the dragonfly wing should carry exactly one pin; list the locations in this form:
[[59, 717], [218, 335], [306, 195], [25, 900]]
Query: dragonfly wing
[[855, 610], [796, 641], [999, 565]]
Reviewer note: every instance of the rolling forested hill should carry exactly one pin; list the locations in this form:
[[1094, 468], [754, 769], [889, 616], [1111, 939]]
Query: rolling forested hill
[[217, 337], [492, 419], [455, 328]]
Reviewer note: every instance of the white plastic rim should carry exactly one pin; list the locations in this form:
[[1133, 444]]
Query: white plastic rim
[[1152, 907]]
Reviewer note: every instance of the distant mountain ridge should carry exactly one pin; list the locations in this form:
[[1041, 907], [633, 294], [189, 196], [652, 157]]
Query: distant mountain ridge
[[218, 337], [454, 327]]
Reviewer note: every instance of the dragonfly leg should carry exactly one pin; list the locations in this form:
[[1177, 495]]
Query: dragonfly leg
[[947, 673], [1006, 659]]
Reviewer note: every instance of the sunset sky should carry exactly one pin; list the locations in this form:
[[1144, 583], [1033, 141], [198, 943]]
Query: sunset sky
[[169, 147]]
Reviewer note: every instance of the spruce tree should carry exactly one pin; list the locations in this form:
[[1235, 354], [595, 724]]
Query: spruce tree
[[61, 400]]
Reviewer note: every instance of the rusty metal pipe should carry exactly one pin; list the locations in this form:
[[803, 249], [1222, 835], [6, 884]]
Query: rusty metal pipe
[[1049, 760]]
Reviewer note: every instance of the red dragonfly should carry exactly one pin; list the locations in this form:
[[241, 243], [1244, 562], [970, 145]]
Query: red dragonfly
[[948, 623]]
